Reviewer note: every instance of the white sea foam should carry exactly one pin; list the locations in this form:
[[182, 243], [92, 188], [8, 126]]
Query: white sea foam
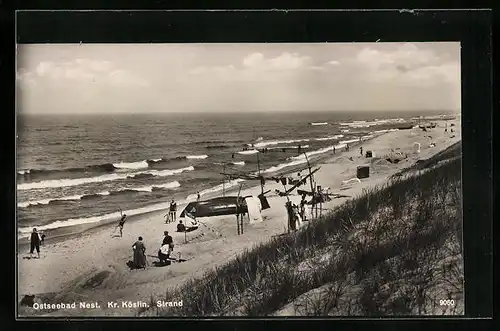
[[196, 156], [106, 217], [365, 124], [239, 163], [252, 151], [337, 136], [103, 178], [278, 142], [149, 188], [131, 165], [319, 123]]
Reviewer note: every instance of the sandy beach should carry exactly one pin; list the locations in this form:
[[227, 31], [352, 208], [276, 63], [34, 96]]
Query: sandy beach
[[67, 268]]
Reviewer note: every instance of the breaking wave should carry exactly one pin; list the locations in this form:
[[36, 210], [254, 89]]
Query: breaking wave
[[196, 157], [107, 217], [277, 142], [150, 188], [131, 165], [104, 178], [365, 124]]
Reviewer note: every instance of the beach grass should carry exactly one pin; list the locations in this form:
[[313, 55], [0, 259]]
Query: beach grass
[[393, 250]]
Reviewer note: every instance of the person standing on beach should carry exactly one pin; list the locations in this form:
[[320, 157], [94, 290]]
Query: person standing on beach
[[333, 149], [198, 196], [139, 254], [361, 150], [303, 208], [35, 242], [121, 223], [172, 214]]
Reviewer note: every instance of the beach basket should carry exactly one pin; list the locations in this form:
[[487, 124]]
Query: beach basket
[[369, 154], [363, 172]]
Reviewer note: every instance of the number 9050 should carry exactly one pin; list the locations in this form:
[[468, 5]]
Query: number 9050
[[449, 302]]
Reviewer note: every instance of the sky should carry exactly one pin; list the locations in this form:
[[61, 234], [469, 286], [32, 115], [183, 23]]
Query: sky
[[139, 78]]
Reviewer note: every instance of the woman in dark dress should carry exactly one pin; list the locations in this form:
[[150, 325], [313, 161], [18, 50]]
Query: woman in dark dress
[[139, 254]]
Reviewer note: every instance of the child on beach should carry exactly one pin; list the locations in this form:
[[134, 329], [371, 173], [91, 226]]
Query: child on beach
[[120, 224]]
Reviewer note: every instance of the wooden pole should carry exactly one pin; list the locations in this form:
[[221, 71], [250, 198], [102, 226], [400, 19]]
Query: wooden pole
[[287, 211], [238, 211], [241, 219], [238, 223], [224, 181], [313, 204]]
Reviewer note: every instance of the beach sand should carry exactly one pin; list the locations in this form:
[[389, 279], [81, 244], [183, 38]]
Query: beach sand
[[92, 266]]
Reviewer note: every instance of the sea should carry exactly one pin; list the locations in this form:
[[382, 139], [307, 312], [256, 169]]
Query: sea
[[86, 169]]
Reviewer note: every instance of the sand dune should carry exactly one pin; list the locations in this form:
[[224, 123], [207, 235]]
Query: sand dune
[[92, 267]]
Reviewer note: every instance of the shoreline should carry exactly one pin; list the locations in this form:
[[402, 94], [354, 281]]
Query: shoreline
[[84, 229]]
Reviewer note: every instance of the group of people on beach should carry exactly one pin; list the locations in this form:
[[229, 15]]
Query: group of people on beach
[[167, 245]]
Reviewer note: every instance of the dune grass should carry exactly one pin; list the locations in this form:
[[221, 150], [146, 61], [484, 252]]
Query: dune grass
[[394, 250]]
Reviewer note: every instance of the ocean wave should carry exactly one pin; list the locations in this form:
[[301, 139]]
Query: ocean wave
[[301, 159], [103, 178], [150, 188], [277, 142], [116, 215], [196, 157], [252, 151], [365, 124], [337, 136], [131, 165], [105, 167], [240, 163], [318, 123], [289, 147]]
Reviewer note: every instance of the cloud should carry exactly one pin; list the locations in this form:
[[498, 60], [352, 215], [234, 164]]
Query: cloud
[[285, 61], [80, 71], [256, 65], [407, 64]]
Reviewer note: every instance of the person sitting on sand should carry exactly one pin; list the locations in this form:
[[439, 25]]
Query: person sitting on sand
[[164, 254], [181, 227], [121, 223], [35, 242], [42, 238], [139, 254], [167, 240]]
